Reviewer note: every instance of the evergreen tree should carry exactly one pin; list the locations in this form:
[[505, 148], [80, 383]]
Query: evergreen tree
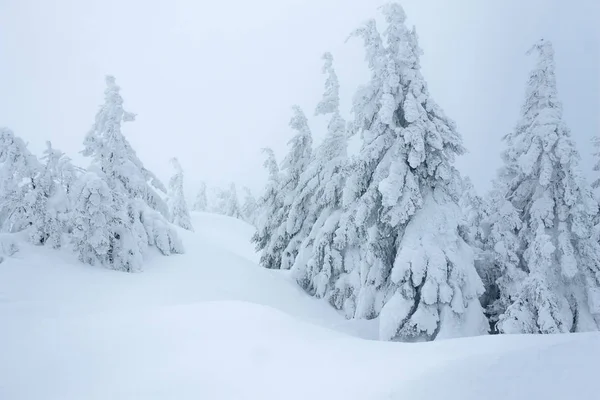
[[404, 259], [133, 223], [201, 203], [268, 205], [51, 204], [232, 205], [19, 170], [278, 253], [114, 156], [313, 216], [551, 282], [180, 214], [249, 207], [94, 220], [227, 202]]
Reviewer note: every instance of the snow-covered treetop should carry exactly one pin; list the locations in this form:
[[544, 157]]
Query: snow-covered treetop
[[300, 146], [406, 136], [334, 145], [16, 159], [540, 138], [113, 154], [270, 164], [331, 98]]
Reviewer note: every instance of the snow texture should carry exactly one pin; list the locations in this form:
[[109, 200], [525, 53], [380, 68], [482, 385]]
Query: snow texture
[[71, 331]]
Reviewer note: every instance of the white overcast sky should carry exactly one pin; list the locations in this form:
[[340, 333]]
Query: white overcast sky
[[213, 81]]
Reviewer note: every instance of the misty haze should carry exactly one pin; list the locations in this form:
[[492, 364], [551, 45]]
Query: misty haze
[[299, 199]]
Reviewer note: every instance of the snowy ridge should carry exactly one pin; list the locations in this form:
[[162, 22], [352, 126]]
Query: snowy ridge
[[212, 324]]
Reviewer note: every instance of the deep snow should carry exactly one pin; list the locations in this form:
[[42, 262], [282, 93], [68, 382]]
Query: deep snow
[[211, 324]]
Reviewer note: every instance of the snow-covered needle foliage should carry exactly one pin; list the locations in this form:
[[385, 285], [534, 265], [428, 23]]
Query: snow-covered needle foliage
[[279, 247], [109, 214], [542, 223], [378, 234], [201, 202], [180, 215]]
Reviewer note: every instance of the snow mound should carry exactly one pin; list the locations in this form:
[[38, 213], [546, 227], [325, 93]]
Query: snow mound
[[211, 324]]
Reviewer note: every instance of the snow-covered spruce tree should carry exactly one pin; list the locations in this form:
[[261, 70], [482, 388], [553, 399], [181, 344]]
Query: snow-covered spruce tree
[[19, 170], [50, 205], [178, 209], [201, 203], [113, 154], [134, 224], [315, 211], [282, 248], [404, 259], [232, 206], [555, 285], [249, 207], [474, 229], [226, 202], [94, 219], [268, 205]]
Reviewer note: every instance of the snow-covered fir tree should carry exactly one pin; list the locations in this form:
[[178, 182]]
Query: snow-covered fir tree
[[19, 171], [549, 263], [201, 202], [249, 206], [94, 220], [51, 204], [138, 219], [403, 257], [315, 211], [281, 249], [226, 202], [232, 206], [178, 209], [269, 205], [113, 154]]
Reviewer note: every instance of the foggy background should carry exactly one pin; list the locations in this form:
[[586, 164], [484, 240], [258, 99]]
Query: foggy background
[[212, 82]]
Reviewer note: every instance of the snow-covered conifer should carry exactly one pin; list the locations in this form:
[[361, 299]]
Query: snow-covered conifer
[[19, 170], [130, 228], [404, 259], [232, 205], [269, 204], [113, 154], [93, 219], [51, 203], [226, 202], [178, 209], [201, 202], [552, 278], [249, 206], [277, 252], [314, 213]]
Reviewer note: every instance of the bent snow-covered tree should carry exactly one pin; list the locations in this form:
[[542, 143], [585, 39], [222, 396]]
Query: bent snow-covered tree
[[178, 209], [315, 211], [268, 205], [555, 284], [19, 171], [281, 248], [226, 202], [404, 259], [201, 203], [249, 206], [132, 193], [51, 203], [113, 154]]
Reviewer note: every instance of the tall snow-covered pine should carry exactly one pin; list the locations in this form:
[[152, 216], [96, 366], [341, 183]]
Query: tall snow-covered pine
[[180, 215], [557, 285], [404, 259]]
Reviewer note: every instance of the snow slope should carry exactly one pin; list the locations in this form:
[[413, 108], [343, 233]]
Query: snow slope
[[211, 324]]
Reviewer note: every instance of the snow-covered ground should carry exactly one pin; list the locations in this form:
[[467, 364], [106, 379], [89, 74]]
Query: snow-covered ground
[[211, 324]]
